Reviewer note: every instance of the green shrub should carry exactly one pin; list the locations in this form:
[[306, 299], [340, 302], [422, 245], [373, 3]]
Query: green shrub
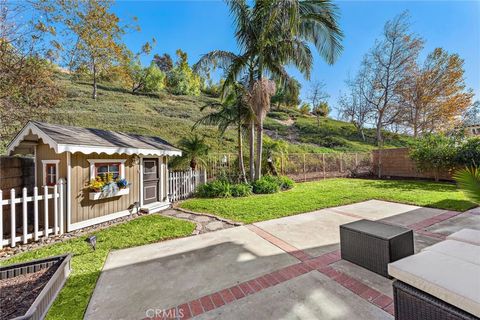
[[468, 154], [285, 183], [241, 190], [214, 189], [265, 185], [434, 152]]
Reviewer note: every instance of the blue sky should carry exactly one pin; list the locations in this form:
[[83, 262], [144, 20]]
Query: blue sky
[[198, 27]]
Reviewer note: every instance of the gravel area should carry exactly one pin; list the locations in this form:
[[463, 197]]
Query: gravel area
[[18, 293], [205, 223]]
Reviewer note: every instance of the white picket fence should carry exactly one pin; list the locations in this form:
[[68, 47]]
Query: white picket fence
[[182, 184], [20, 231]]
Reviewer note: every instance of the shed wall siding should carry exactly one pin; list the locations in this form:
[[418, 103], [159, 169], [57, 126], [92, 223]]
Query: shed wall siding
[[44, 152], [82, 207]]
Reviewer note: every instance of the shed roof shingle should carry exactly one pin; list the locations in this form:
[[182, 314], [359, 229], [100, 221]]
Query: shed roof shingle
[[63, 134]]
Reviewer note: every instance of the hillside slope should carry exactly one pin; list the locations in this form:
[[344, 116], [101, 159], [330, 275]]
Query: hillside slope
[[172, 117]]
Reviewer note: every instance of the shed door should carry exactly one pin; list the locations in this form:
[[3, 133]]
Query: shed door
[[151, 180]]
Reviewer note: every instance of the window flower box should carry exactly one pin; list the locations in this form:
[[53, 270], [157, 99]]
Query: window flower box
[[105, 194]]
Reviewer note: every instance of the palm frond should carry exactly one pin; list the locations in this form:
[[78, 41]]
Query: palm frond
[[319, 25], [242, 15], [468, 180], [217, 58]]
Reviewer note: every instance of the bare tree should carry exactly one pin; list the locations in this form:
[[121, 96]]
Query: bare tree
[[353, 105], [317, 95], [385, 69], [472, 114]]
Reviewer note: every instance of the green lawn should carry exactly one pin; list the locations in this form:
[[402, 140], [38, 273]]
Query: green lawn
[[316, 195], [87, 264]]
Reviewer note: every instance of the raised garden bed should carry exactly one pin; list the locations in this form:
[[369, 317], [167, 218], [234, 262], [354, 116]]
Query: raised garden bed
[[27, 290]]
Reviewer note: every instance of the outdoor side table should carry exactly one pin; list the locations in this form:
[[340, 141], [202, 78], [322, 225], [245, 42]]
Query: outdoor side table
[[373, 244]]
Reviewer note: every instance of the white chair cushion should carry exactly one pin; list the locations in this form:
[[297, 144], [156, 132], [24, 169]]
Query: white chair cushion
[[456, 249], [466, 235], [454, 281]]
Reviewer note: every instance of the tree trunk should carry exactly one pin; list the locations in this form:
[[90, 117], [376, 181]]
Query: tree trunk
[[193, 164], [363, 134], [94, 94], [379, 130], [252, 150], [241, 165], [258, 165]]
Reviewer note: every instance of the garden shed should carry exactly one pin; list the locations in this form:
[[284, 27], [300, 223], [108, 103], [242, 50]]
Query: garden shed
[[129, 170]]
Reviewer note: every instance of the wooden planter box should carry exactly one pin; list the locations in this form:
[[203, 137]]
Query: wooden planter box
[[47, 295], [103, 195]]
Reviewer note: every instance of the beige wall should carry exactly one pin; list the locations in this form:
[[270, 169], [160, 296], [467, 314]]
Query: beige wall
[[82, 207]]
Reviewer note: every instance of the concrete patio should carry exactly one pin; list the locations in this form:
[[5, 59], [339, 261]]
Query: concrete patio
[[288, 268]]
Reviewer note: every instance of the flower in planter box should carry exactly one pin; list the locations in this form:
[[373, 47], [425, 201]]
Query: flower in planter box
[[96, 185], [122, 183]]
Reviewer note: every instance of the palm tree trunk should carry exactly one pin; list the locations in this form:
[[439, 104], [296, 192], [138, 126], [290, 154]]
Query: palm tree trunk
[[252, 150], [241, 165], [258, 165]]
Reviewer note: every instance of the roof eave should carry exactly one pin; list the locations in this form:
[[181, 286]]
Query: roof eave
[[31, 127], [116, 150]]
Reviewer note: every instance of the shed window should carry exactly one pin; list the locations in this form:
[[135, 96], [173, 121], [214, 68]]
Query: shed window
[[50, 172], [102, 169]]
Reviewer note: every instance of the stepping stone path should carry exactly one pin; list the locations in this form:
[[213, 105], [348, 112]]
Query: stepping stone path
[[204, 223]]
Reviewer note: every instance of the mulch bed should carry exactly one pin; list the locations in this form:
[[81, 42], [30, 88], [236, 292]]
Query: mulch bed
[[18, 293]]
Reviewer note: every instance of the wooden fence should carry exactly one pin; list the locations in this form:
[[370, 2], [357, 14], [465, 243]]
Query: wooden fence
[[21, 230], [397, 163], [16, 173], [182, 184]]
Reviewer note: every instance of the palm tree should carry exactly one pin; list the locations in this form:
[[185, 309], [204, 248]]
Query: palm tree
[[261, 93], [272, 34], [194, 150], [233, 111], [468, 180]]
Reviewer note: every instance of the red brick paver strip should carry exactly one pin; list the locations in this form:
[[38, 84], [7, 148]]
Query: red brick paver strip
[[217, 300], [196, 307], [184, 311], [390, 309], [207, 303], [297, 253], [227, 295], [382, 301]]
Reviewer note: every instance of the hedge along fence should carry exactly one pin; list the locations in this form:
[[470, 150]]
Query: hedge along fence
[[397, 163], [299, 167]]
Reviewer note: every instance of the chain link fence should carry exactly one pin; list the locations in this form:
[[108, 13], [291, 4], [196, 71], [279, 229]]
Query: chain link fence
[[299, 167]]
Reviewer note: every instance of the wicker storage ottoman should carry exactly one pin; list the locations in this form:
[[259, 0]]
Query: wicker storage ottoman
[[373, 245], [413, 304]]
